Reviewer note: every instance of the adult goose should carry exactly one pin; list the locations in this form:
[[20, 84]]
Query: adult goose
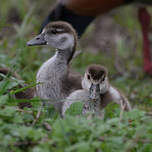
[[80, 13]]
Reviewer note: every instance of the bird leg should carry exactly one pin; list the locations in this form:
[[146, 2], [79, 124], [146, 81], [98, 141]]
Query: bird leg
[[144, 19]]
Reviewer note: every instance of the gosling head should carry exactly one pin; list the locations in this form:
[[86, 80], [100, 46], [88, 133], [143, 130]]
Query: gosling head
[[96, 81], [59, 35]]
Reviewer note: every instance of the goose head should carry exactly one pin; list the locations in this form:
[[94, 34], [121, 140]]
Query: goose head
[[59, 35], [95, 81]]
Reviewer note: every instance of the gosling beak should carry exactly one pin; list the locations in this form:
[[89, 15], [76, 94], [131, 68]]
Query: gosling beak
[[94, 92], [38, 40]]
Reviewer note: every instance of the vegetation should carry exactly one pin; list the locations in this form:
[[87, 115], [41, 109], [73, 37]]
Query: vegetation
[[20, 130]]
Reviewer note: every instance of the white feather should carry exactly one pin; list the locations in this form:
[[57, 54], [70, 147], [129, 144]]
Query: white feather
[[104, 86], [115, 94], [86, 84]]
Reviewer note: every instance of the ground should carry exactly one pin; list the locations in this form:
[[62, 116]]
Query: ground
[[120, 50]]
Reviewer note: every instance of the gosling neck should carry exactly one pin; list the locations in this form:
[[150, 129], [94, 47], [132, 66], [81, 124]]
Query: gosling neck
[[66, 54]]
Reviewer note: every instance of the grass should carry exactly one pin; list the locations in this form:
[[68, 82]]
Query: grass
[[74, 133]]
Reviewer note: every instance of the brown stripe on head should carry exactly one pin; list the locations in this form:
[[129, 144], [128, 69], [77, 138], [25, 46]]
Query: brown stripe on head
[[60, 27], [97, 71]]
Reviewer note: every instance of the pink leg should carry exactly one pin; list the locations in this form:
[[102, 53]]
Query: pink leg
[[144, 19]]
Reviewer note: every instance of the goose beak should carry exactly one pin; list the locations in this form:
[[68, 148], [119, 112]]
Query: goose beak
[[94, 92], [38, 40]]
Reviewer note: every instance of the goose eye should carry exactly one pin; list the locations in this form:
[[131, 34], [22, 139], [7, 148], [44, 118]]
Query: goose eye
[[88, 76]]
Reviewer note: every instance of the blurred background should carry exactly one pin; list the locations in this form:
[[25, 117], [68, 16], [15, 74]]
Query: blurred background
[[113, 40]]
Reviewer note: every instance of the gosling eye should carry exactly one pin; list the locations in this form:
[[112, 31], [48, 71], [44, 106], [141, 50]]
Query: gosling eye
[[54, 31], [103, 78], [88, 76]]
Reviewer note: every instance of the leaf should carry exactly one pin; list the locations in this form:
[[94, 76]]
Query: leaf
[[75, 109], [81, 147], [3, 99]]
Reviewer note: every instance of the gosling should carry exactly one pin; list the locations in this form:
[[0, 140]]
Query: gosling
[[54, 78], [96, 90]]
